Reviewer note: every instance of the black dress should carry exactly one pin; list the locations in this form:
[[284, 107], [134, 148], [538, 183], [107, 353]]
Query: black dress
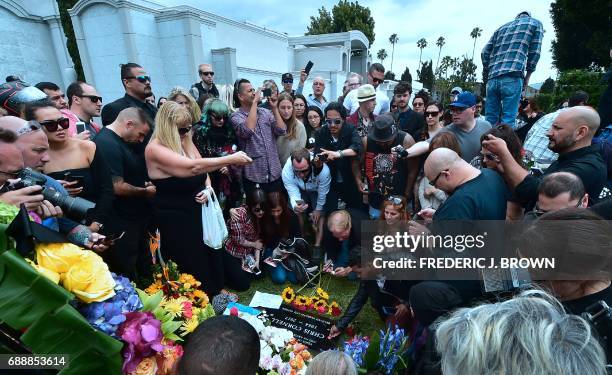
[[179, 218], [97, 187]]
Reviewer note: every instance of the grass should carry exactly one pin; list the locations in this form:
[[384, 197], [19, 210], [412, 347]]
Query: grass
[[339, 289]]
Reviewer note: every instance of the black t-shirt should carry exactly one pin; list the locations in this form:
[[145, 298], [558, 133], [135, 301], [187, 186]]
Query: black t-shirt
[[125, 163], [411, 122], [481, 198], [578, 306]]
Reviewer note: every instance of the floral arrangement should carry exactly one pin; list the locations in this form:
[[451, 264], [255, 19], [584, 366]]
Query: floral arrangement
[[385, 353], [318, 303], [81, 272], [108, 315], [174, 284]]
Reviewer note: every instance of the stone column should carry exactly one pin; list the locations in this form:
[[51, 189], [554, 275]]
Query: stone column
[[62, 56], [224, 61]]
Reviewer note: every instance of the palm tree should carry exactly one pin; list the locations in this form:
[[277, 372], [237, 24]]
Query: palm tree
[[393, 39], [439, 43], [382, 55], [421, 43], [476, 32]]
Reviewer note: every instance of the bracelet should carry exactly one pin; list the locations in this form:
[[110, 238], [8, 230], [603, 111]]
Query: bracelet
[[340, 155]]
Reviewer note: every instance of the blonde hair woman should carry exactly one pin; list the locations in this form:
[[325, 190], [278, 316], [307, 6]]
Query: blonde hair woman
[[181, 96], [180, 177], [295, 138]]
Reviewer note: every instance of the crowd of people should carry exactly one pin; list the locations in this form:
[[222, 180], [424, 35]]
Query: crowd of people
[[287, 166]]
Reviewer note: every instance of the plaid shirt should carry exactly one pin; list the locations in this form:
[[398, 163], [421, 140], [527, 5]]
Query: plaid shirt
[[514, 47], [239, 230], [259, 144], [537, 142]]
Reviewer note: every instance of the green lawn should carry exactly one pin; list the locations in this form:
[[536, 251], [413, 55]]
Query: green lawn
[[339, 289]]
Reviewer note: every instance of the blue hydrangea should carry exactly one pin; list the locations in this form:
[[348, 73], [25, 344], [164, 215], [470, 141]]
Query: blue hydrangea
[[356, 348], [108, 315]]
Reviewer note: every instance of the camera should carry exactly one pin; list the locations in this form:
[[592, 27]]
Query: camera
[[74, 208], [400, 151], [322, 157]]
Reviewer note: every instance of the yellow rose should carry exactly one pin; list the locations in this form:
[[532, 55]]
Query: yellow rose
[[57, 257], [147, 366], [49, 274], [89, 279]]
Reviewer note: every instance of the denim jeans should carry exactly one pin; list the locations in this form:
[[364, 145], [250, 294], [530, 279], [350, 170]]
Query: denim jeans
[[278, 274], [503, 96]]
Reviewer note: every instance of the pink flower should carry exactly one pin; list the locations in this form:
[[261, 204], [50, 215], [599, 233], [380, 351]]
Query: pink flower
[[234, 311], [143, 335], [187, 312]]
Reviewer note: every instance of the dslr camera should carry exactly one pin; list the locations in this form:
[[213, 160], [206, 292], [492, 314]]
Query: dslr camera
[[400, 151], [74, 208]]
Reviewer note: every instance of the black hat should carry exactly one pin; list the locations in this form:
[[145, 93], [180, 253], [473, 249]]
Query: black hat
[[383, 129], [287, 76]]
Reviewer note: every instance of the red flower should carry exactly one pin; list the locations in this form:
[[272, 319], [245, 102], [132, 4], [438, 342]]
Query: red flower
[[350, 331], [336, 311], [322, 309], [234, 311], [302, 307]]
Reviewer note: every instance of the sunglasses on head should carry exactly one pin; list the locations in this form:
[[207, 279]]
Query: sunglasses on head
[[54, 125], [183, 131], [395, 200], [141, 79], [336, 121], [432, 114], [207, 74], [93, 98]]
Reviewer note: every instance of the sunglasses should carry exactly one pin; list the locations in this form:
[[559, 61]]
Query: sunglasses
[[418, 104], [491, 157], [93, 98], [435, 180], [30, 126], [183, 131], [141, 79], [217, 117], [287, 81], [432, 114], [336, 121], [207, 74], [54, 125], [378, 80], [395, 200]]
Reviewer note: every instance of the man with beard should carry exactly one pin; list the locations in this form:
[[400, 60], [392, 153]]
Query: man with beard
[[570, 136]]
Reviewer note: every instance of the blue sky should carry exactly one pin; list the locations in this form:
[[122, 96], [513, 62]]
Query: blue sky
[[410, 19]]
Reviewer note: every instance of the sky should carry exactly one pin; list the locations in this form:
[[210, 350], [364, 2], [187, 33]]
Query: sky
[[409, 19]]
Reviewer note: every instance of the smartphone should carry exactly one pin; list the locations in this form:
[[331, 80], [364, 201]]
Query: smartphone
[[111, 239], [299, 202], [308, 67], [70, 177], [267, 93], [80, 127]]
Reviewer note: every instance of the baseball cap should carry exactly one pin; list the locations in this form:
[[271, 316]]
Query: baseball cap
[[365, 93], [457, 89], [287, 77], [464, 100]]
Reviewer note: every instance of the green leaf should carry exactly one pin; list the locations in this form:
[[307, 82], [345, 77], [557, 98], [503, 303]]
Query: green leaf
[[372, 354], [150, 302], [170, 327], [173, 337]]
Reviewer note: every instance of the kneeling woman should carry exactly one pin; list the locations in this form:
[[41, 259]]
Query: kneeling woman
[[281, 223], [245, 228], [388, 297], [180, 176]]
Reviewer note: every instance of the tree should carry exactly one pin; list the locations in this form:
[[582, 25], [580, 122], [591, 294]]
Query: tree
[[345, 16], [390, 75], [406, 76], [548, 86], [475, 34], [393, 39], [382, 55], [421, 43], [583, 34], [439, 43], [426, 75], [71, 44]]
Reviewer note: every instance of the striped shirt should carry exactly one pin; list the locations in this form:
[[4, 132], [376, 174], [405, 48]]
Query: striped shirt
[[514, 47]]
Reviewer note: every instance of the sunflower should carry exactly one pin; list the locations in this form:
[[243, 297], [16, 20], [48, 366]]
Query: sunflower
[[173, 306], [288, 294], [154, 288], [302, 300], [200, 298], [189, 326], [320, 303], [323, 294]]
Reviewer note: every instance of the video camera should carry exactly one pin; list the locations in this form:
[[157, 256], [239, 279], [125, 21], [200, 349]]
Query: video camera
[[74, 208]]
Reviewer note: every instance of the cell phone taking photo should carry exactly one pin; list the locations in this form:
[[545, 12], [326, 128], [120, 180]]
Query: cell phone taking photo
[[267, 93], [308, 67], [110, 239]]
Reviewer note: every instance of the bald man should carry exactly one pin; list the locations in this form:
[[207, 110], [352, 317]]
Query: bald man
[[570, 135], [473, 194], [316, 98], [206, 86]]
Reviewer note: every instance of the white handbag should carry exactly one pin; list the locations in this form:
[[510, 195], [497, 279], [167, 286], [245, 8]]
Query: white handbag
[[213, 225]]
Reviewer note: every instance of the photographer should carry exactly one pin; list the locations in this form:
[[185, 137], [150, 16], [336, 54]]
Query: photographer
[[307, 186], [34, 146], [337, 145]]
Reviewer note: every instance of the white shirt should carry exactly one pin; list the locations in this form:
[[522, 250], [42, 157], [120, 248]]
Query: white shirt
[[382, 102], [319, 183]]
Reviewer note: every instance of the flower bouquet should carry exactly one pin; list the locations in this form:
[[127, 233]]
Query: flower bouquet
[[385, 353], [172, 283], [318, 302]]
